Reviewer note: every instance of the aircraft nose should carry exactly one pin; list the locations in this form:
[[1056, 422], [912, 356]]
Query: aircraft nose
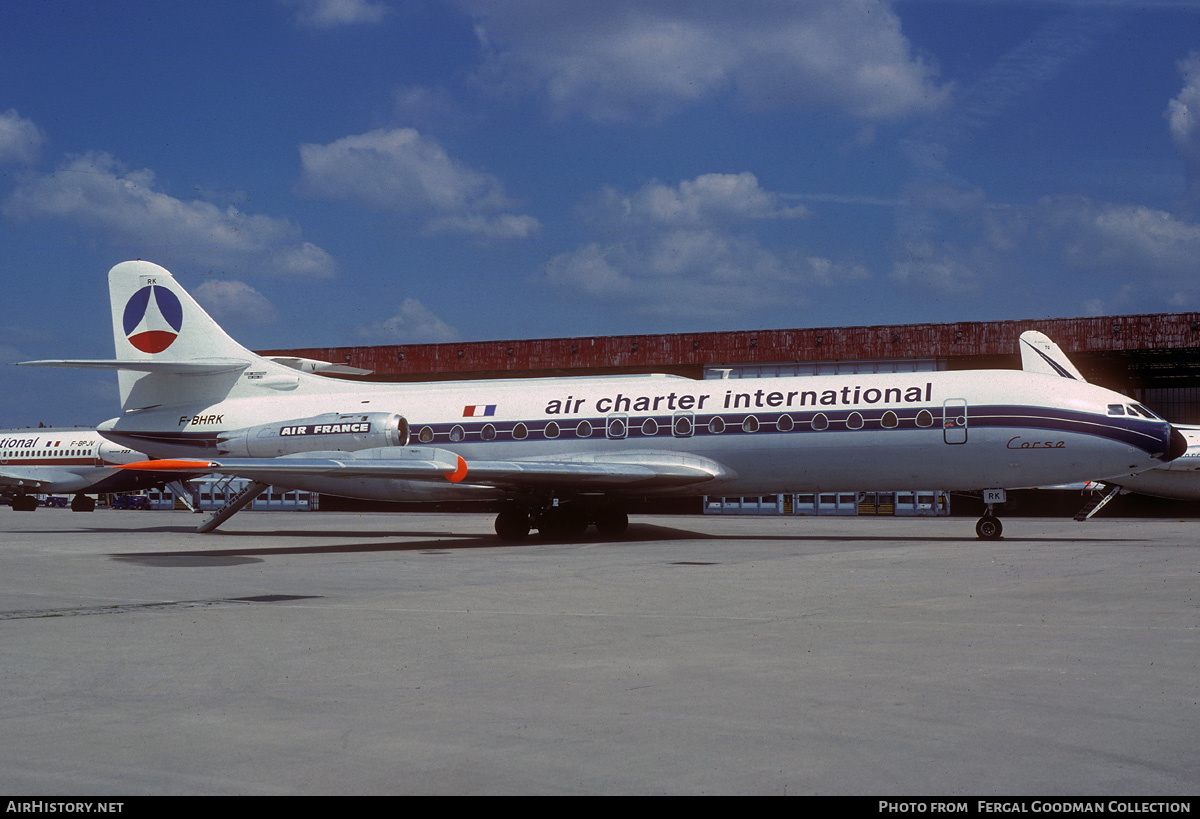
[[1178, 446]]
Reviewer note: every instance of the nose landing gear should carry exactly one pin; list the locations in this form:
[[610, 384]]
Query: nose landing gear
[[989, 527]]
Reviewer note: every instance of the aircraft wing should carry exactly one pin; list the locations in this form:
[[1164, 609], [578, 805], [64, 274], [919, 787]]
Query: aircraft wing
[[629, 470], [29, 476]]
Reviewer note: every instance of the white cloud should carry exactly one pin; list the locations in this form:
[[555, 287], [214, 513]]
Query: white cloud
[[337, 13], [235, 301], [402, 171], [413, 323], [1183, 119], [20, 139], [628, 58], [714, 198], [696, 273], [690, 249], [98, 192], [1126, 240]]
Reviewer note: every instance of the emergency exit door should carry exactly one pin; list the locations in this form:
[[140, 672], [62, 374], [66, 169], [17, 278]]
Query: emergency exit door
[[954, 420]]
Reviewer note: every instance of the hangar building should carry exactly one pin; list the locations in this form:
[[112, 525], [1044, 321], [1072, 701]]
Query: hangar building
[[1154, 358]]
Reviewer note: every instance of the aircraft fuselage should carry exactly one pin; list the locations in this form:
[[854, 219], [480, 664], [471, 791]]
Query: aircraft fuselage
[[951, 430]]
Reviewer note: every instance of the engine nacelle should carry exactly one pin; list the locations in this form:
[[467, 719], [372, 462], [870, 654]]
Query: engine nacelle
[[331, 431]]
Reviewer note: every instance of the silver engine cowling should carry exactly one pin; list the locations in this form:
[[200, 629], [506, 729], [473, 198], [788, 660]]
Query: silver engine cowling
[[347, 432]]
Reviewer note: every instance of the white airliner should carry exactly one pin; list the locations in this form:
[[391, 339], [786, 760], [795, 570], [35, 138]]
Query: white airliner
[[567, 452], [1179, 478], [67, 461]]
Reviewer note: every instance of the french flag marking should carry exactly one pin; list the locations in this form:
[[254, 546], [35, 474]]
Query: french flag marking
[[479, 410]]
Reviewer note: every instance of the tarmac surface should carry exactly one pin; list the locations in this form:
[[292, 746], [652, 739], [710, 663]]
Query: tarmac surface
[[343, 653]]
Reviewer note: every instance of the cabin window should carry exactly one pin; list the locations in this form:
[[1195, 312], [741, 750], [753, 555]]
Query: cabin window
[[649, 427], [616, 427], [750, 424], [854, 421], [584, 430], [717, 425], [488, 433], [785, 423], [551, 430], [683, 426], [924, 418], [426, 435], [457, 433], [520, 432], [889, 420], [819, 421]]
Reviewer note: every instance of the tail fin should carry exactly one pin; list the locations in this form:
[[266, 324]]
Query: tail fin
[[1041, 355], [169, 351]]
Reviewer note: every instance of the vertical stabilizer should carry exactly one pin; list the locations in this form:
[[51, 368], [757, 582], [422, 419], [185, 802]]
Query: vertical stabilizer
[[176, 353], [1041, 355]]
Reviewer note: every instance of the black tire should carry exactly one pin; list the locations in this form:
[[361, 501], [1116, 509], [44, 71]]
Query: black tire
[[512, 523], [989, 527], [612, 521]]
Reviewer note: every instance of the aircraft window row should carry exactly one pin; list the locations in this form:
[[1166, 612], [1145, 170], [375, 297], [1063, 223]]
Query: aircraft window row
[[46, 453], [617, 426]]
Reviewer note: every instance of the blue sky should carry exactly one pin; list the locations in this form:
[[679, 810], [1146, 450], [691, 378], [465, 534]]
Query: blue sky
[[338, 172]]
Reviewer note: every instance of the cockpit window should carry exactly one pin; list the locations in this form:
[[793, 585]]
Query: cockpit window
[[1138, 409], [1116, 409]]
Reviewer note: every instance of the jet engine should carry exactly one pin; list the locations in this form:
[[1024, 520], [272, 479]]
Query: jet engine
[[332, 431]]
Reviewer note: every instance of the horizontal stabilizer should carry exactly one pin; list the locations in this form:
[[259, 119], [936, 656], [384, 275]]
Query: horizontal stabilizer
[[196, 366]]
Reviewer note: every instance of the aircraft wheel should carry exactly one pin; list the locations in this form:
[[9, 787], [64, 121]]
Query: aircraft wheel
[[512, 523], [612, 521], [82, 503], [24, 503], [989, 528]]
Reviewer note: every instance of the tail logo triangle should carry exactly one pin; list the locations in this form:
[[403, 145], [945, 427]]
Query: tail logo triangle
[[153, 318]]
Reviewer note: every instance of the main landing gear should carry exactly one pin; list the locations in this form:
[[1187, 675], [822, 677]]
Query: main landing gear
[[24, 503], [563, 522]]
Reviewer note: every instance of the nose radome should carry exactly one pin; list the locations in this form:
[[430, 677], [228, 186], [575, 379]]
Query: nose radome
[[1178, 446]]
